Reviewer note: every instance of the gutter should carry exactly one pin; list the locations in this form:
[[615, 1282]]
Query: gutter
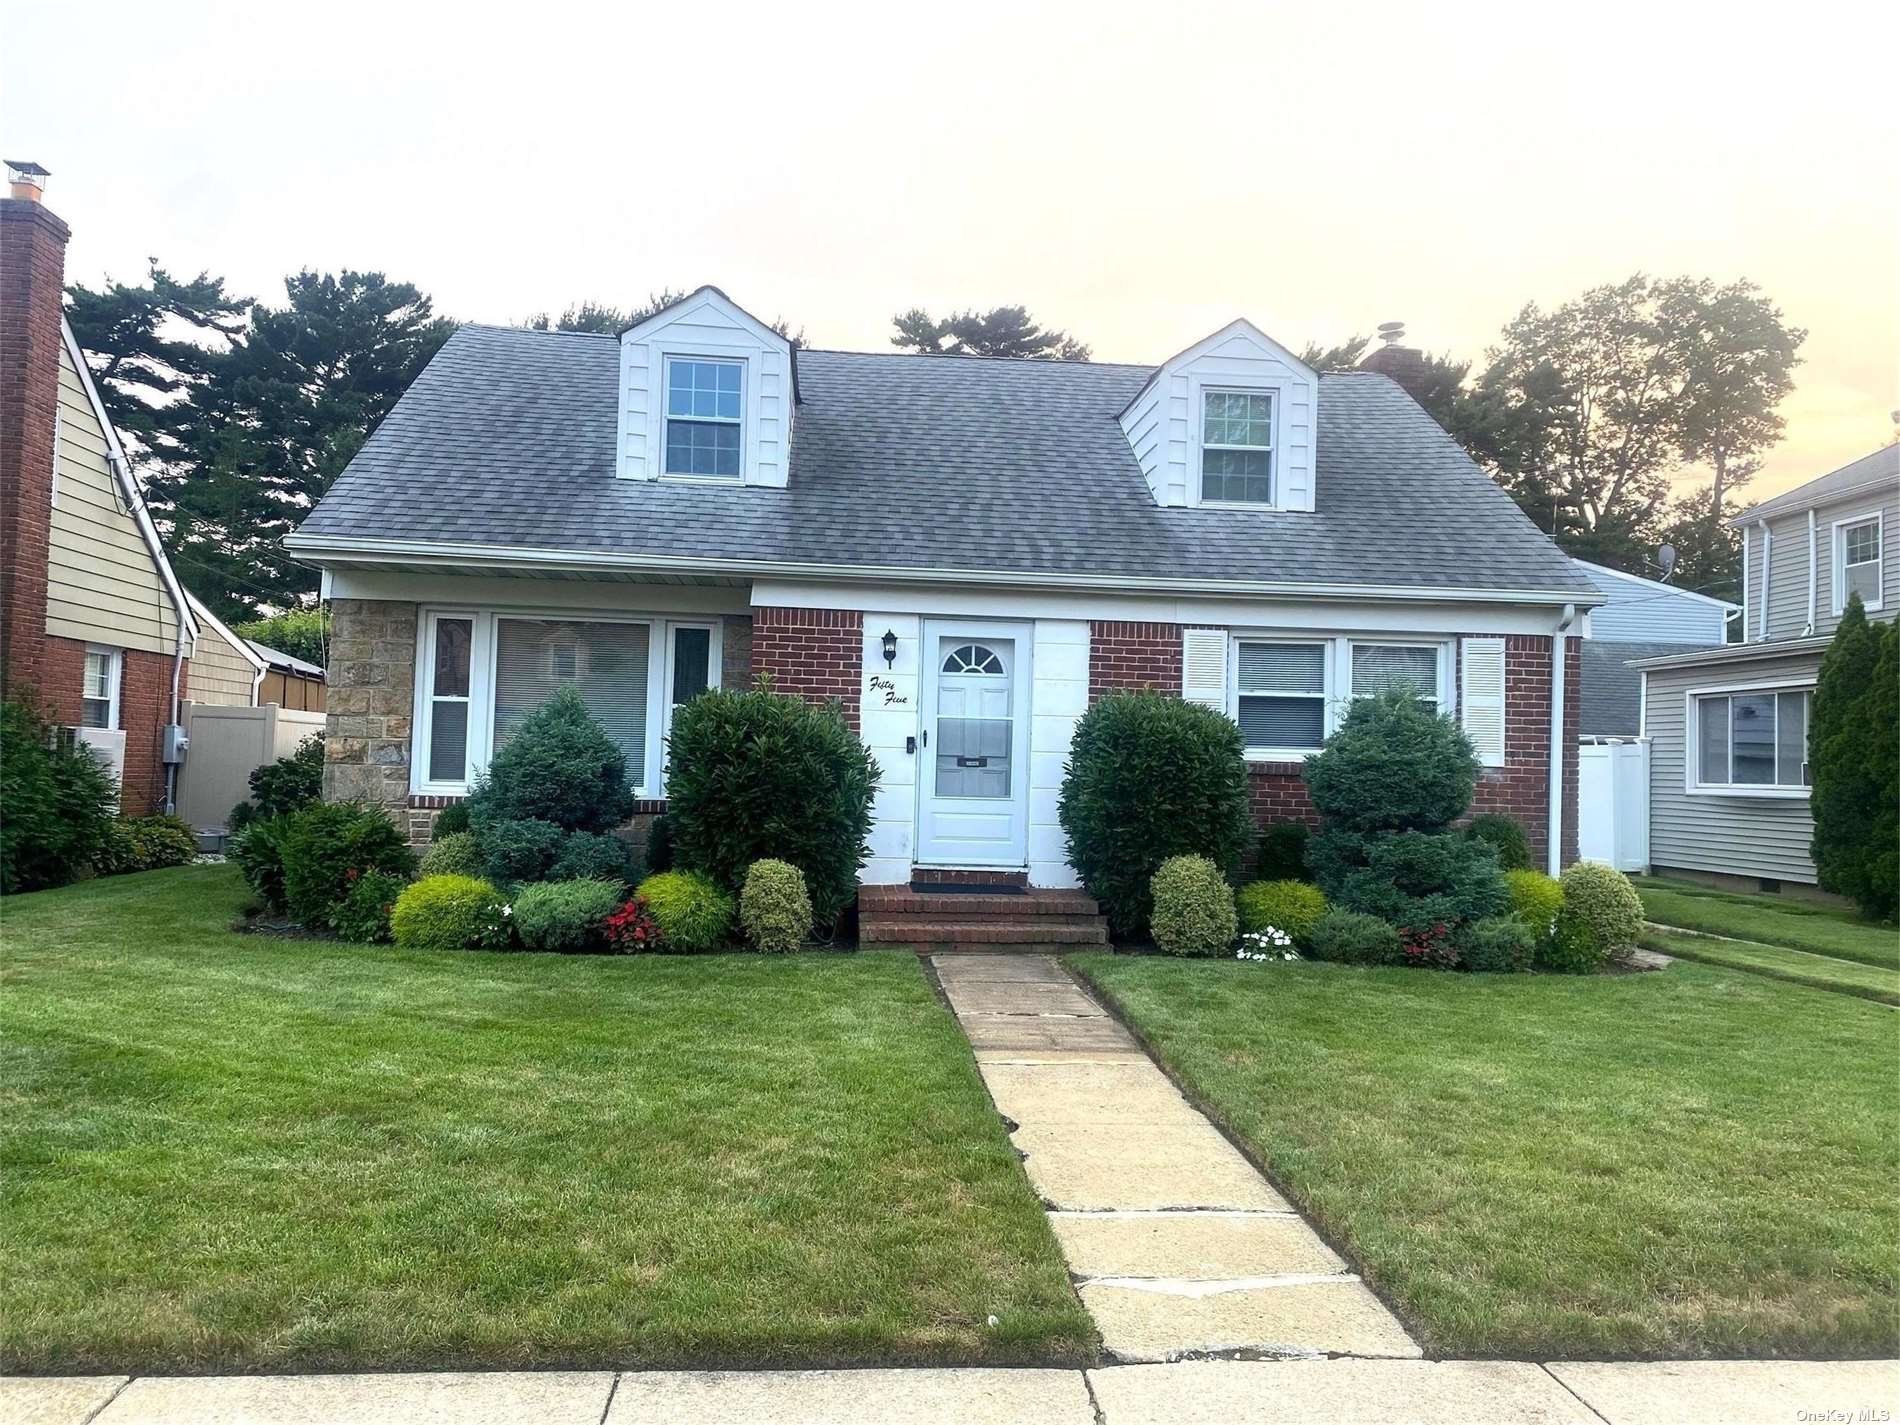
[[1554, 830], [1736, 653], [464, 558]]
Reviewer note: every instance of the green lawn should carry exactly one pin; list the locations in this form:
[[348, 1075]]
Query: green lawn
[[1848, 977], [1770, 920], [1685, 1163], [220, 1151]]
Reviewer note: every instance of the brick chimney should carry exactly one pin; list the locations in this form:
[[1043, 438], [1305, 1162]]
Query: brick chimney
[[32, 275], [1404, 364]]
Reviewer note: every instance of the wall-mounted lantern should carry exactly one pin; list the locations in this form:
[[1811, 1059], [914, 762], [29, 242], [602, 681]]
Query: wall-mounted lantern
[[890, 649]]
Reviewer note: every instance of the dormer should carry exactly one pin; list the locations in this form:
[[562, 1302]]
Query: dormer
[[1228, 424], [706, 395]]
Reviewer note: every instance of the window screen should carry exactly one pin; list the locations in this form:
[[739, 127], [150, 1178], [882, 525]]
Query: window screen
[[1377, 667], [607, 662]]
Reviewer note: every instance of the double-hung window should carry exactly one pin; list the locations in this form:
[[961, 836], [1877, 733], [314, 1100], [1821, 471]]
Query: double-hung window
[[704, 422], [1380, 667], [1750, 741], [1237, 447], [99, 695], [1857, 558], [1280, 699]]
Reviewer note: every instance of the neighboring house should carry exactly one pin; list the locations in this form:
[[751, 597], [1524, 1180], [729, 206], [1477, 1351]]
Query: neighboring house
[[93, 624], [1727, 727], [965, 552], [1639, 618], [233, 671]]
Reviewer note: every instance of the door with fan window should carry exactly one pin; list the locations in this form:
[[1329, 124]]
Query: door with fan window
[[973, 753]]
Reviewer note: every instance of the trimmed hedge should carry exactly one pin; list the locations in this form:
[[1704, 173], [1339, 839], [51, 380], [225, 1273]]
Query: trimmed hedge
[[774, 907], [1291, 906], [754, 775], [1352, 938], [450, 913], [1410, 878], [566, 915], [558, 766], [1193, 907], [1601, 917], [1535, 901], [1502, 944], [145, 843], [327, 845], [694, 915], [456, 854], [515, 853], [1151, 777], [1504, 836], [57, 802]]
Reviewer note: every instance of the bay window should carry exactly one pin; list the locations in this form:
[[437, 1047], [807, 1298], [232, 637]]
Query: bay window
[[1749, 741], [483, 673]]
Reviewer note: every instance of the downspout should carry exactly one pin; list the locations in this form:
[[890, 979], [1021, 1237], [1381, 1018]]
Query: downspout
[[178, 678], [1767, 567], [1554, 833], [1814, 572], [1744, 583]]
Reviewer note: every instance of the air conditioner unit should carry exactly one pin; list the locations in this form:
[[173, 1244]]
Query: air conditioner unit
[[107, 744]]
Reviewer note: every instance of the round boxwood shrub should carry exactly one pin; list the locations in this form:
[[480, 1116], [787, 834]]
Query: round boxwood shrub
[[452, 819], [774, 908], [594, 856], [145, 843], [1354, 939], [1151, 777], [1600, 918], [363, 914], [558, 766], [1291, 906], [1283, 852], [1504, 836], [454, 854], [1535, 901], [517, 852], [693, 913], [450, 913], [566, 915], [327, 845], [756, 774], [1501, 943], [56, 803], [1193, 907]]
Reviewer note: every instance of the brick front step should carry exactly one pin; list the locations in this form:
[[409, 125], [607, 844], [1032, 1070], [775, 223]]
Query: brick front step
[[1044, 930], [885, 901]]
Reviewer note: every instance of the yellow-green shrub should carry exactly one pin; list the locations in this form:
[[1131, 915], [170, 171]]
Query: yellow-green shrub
[[1193, 907], [693, 914], [1292, 906], [450, 913]]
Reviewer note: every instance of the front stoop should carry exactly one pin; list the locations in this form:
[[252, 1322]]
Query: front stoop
[[1031, 920]]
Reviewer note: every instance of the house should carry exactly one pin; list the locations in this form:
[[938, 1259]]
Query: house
[[1639, 618], [232, 671], [963, 551], [1727, 726], [93, 623]]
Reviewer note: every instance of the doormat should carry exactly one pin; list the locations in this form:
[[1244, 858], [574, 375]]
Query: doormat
[[965, 888]]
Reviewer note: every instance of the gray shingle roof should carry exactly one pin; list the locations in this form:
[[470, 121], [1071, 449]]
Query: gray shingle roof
[[1884, 462], [1610, 691], [922, 462]]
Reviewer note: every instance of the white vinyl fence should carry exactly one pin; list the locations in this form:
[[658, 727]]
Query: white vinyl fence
[[1613, 804], [226, 744]]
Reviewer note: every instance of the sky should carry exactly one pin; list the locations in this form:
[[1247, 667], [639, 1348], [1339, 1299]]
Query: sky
[[1136, 174]]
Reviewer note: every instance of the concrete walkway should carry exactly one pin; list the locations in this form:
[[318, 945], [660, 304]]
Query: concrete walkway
[[1178, 1246], [1339, 1392]]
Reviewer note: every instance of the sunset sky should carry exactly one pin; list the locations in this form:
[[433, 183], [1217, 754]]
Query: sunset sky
[[1135, 174]]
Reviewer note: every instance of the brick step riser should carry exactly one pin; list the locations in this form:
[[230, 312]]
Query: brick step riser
[[888, 934], [979, 909]]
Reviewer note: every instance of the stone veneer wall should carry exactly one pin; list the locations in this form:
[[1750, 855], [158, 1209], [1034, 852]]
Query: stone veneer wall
[[372, 678]]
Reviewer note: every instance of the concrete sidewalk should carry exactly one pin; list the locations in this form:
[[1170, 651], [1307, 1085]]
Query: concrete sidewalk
[[1339, 1392]]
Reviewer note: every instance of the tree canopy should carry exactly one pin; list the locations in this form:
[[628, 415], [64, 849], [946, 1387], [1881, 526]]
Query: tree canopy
[[600, 318], [1001, 331]]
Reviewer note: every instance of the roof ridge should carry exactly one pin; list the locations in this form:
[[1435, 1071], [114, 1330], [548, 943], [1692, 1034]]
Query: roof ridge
[[976, 356], [512, 329]]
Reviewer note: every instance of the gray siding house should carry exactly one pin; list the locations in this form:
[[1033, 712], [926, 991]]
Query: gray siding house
[[1639, 618], [1727, 727]]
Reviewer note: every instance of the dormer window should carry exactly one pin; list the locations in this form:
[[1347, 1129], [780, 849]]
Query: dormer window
[[703, 421], [1236, 447]]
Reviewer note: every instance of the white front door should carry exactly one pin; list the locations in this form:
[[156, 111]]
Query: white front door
[[973, 791]]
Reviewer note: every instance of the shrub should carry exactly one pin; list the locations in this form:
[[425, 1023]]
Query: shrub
[[632, 928], [566, 915], [756, 774], [1193, 907], [774, 907], [1600, 918], [1292, 906], [452, 820], [326, 845], [693, 914], [1354, 939], [259, 853], [1283, 852], [289, 782], [558, 766], [1504, 836], [450, 913], [659, 855], [302, 633], [1498, 944], [457, 854], [1855, 766], [57, 803], [594, 856], [1410, 878], [145, 843], [1535, 901], [1151, 777], [515, 853], [363, 914], [1429, 947]]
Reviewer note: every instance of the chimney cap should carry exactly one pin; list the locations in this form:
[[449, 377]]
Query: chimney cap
[[1391, 333], [25, 168], [26, 180]]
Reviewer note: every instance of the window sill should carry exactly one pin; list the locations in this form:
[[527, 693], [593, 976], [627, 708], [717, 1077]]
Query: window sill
[[1246, 506], [679, 479], [1775, 794]]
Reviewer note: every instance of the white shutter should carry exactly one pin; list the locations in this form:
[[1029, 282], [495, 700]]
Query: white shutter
[[1204, 667], [1482, 698]]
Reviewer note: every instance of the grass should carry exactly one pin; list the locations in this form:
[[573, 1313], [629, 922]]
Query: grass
[[1770, 920], [1848, 977], [1685, 1163], [221, 1151]]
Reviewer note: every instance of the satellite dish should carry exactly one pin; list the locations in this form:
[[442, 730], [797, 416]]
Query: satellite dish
[[1666, 559]]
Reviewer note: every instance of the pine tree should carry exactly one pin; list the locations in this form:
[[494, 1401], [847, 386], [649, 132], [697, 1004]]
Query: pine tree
[[1001, 331]]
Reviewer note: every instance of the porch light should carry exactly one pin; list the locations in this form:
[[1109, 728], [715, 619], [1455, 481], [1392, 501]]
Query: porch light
[[890, 649]]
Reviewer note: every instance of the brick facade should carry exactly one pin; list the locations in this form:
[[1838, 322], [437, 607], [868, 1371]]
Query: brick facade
[[1148, 655], [816, 653]]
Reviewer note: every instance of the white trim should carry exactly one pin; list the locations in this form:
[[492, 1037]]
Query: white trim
[[1814, 573], [667, 357], [1338, 696], [115, 674], [1735, 652], [1199, 391], [483, 557], [1838, 538], [1022, 637], [1326, 696], [1767, 570], [1238, 326], [1488, 649], [1692, 783], [1656, 584]]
